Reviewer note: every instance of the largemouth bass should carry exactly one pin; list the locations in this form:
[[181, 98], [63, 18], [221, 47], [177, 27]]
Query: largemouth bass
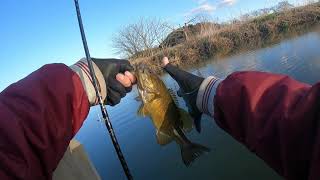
[[159, 104]]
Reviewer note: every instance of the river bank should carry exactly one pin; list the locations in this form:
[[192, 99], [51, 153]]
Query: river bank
[[212, 40]]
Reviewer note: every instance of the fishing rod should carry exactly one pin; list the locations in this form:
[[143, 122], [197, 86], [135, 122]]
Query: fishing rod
[[102, 107]]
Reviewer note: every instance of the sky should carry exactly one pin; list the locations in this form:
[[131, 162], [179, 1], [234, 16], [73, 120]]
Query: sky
[[38, 32]]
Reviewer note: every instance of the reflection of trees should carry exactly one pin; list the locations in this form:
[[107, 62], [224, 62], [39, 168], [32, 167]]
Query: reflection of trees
[[256, 58]]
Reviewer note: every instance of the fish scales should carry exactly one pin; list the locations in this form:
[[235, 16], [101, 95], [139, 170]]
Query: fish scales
[[169, 120]]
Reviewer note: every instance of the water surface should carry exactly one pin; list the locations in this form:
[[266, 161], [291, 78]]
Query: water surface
[[298, 57]]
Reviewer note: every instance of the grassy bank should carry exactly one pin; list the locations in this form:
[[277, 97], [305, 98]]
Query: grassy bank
[[206, 40]]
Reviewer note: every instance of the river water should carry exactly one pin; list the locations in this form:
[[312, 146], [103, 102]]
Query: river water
[[298, 57]]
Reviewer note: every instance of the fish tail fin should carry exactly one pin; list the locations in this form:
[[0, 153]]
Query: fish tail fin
[[192, 151]]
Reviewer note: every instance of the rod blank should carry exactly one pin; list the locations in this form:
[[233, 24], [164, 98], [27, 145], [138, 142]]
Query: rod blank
[[102, 107]]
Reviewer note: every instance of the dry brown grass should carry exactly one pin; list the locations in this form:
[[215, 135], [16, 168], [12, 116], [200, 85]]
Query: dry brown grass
[[211, 40]]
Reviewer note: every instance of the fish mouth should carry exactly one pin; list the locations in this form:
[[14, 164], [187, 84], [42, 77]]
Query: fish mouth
[[139, 83]]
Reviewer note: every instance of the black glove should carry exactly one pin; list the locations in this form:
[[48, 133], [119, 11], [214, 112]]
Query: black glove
[[189, 87], [110, 68]]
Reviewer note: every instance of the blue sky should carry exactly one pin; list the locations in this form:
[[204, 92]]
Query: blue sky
[[38, 32]]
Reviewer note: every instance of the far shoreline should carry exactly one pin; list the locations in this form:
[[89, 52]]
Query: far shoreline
[[256, 33]]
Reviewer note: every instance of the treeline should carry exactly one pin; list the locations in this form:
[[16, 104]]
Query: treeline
[[149, 40]]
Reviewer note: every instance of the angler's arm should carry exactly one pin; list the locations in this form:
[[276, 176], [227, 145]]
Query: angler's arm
[[39, 116], [42, 112], [273, 115]]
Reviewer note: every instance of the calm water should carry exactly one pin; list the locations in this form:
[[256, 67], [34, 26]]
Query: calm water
[[298, 57]]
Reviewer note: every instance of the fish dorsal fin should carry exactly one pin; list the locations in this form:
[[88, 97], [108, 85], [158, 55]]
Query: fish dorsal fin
[[186, 120], [162, 138], [174, 96], [142, 111]]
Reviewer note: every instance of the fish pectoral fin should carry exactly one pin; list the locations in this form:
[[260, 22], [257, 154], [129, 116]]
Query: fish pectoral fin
[[142, 111], [174, 96], [163, 139], [186, 120], [138, 98]]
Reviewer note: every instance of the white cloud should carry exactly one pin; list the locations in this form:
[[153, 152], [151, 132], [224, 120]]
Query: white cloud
[[201, 1], [227, 3], [203, 8]]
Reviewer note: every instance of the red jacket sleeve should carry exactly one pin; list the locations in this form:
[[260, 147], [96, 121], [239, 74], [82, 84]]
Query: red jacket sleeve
[[39, 116], [274, 116]]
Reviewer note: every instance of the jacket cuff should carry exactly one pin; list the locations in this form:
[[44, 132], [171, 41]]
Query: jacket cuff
[[82, 69], [206, 94]]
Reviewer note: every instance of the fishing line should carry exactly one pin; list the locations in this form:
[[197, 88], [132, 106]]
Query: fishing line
[[104, 112]]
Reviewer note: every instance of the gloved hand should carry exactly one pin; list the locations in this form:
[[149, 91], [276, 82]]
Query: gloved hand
[[119, 80], [189, 87]]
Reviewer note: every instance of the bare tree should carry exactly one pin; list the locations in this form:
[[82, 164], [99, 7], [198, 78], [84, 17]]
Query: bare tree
[[200, 18], [140, 36], [307, 2], [283, 6]]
